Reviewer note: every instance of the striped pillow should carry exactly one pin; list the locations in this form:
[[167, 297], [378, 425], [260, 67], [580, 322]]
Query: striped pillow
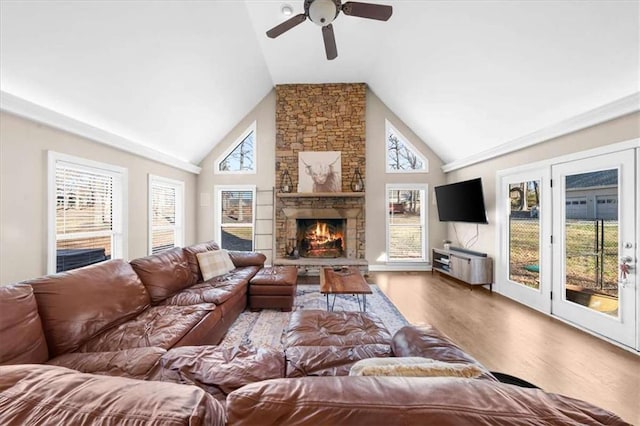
[[214, 263]]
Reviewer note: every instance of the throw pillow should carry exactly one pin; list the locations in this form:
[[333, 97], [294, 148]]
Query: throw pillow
[[213, 263], [413, 367], [227, 260]]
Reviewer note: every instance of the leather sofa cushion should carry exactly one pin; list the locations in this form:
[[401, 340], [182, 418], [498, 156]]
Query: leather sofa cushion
[[49, 395], [77, 305], [165, 273], [330, 360], [138, 363], [191, 253], [220, 370], [159, 326], [216, 290], [321, 328], [428, 342], [247, 258], [21, 336], [405, 401]]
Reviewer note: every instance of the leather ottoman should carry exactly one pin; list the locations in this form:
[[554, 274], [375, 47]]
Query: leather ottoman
[[273, 288], [321, 343]]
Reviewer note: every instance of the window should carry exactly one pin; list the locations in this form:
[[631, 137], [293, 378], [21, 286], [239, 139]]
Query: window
[[86, 212], [402, 156], [166, 214], [235, 217], [240, 157], [406, 222]]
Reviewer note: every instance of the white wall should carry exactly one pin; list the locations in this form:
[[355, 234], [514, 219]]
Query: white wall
[[618, 130], [23, 193], [264, 114], [376, 114]]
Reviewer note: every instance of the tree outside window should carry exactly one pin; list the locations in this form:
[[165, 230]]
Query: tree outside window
[[401, 155], [241, 158]]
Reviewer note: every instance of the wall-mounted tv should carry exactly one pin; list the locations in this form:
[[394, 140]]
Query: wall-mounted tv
[[461, 202]]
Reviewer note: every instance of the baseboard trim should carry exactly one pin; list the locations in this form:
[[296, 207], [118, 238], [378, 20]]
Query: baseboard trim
[[400, 268]]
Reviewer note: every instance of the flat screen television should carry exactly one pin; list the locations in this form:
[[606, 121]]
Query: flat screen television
[[461, 202]]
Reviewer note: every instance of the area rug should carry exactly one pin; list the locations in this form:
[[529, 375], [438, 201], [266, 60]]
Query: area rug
[[266, 328]]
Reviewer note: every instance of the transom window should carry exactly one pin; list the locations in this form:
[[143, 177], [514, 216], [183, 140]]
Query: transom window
[[166, 214], [402, 156], [86, 212], [240, 157]]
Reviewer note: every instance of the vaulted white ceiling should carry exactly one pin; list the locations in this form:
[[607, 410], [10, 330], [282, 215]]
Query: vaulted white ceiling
[[177, 76]]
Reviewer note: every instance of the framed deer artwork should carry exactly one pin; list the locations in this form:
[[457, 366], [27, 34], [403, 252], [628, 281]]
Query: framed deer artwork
[[319, 171]]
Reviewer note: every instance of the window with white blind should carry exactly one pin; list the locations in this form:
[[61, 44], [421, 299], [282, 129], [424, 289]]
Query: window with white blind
[[241, 155], [407, 222], [166, 214], [86, 212], [235, 218]]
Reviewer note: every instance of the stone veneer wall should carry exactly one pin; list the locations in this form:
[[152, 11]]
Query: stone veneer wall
[[320, 117]]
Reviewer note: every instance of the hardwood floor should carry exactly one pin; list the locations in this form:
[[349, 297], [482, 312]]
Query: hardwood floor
[[508, 337]]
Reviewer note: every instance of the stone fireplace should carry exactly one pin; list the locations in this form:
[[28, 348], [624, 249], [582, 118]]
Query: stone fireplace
[[316, 118]]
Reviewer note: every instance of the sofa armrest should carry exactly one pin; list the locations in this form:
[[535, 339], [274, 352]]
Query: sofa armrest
[[50, 395], [137, 363], [428, 342], [247, 258]]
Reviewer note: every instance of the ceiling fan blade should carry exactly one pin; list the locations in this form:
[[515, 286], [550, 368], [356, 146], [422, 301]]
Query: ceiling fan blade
[[286, 25], [329, 42], [380, 12]]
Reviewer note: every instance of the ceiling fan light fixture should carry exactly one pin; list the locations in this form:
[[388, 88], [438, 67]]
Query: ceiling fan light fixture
[[323, 12], [287, 10]]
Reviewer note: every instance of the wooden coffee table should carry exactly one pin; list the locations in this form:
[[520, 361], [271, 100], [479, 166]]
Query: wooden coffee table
[[347, 280]]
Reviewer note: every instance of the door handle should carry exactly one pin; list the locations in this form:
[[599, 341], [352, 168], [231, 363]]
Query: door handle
[[626, 264]]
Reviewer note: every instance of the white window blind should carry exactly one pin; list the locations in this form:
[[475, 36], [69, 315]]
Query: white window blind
[[87, 213], [165, 215]]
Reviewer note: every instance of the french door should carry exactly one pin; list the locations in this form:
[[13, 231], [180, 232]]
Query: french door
[[594, 244], [524, 266]]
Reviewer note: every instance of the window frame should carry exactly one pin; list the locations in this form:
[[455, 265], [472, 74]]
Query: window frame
[[218, 189], [424, 216], [390, 128], [178, 226], [119, 249], [232, 147]]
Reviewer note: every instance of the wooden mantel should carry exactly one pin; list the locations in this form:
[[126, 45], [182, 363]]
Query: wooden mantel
[[319, 194]]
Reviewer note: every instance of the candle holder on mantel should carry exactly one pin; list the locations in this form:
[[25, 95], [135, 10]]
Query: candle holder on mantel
[[286, 185], [357, 183]]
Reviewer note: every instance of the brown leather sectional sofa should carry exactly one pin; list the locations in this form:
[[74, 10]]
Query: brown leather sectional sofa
[[120, 343]]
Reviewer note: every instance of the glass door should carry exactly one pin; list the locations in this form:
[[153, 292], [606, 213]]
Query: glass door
[[524, 267], [594, 244]]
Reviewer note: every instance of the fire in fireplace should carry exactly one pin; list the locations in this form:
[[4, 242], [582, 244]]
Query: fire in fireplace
[[321, 237]]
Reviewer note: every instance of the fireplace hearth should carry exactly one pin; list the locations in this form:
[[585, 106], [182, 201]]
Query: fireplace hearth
[[321, 238]]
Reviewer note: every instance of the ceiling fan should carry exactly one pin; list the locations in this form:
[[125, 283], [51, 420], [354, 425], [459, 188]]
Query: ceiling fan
[[324, 12]]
